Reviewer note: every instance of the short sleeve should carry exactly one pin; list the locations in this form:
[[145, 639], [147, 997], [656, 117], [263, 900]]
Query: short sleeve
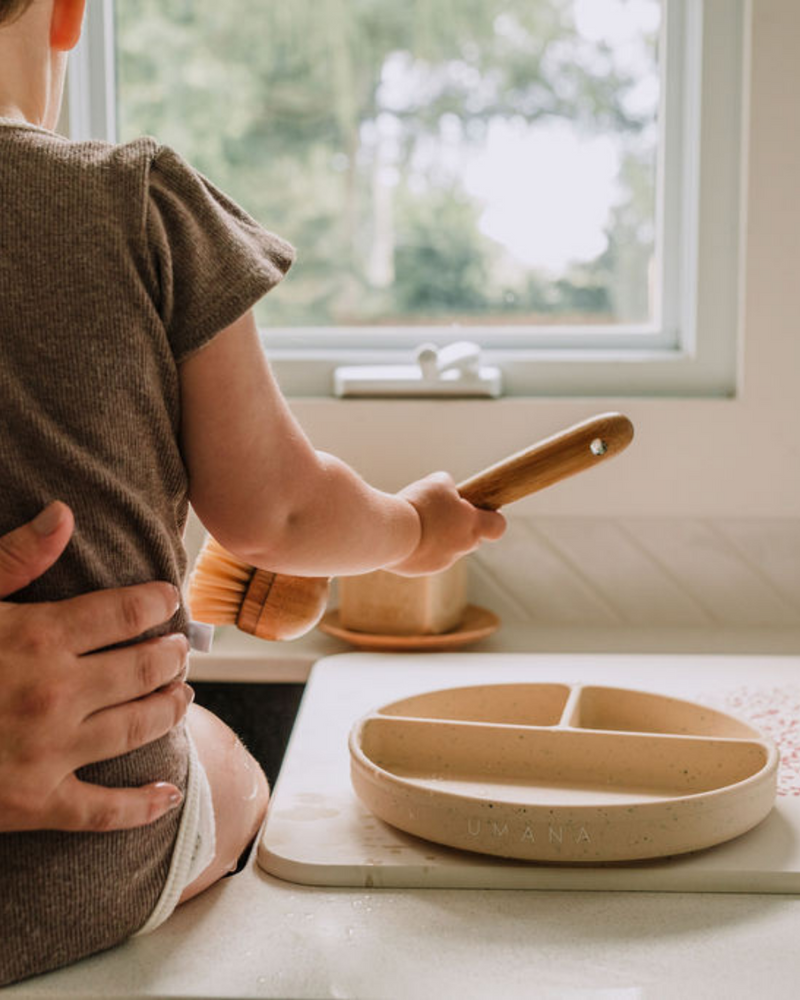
[[211, 261]]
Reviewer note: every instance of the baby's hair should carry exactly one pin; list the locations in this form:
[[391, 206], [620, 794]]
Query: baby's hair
[[12, 9]]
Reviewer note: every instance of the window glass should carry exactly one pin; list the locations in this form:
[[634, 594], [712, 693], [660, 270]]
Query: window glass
[[486, 162]]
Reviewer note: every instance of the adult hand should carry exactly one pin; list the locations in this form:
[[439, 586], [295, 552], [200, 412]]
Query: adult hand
[[63, 705]]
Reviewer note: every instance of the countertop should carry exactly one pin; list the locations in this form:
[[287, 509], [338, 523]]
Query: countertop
[[235, 656], [254, 935]]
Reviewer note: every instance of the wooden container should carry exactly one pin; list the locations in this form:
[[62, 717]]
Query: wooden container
[[383, 603]]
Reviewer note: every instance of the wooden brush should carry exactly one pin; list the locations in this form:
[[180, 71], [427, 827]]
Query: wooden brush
[[223, 590]]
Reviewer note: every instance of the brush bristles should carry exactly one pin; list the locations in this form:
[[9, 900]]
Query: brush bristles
[[217, 585]]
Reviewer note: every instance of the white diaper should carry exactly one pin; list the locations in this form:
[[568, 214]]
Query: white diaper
[[195, 844]]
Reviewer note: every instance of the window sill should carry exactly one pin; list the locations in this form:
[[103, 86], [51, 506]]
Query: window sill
[[546, 373]]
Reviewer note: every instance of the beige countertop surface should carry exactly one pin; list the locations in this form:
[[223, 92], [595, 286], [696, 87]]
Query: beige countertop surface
[[257, 936]]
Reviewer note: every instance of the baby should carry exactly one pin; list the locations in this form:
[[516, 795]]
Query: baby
[[133, 383]]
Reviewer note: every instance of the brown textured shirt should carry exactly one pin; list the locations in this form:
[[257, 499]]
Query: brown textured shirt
[[116, 263]]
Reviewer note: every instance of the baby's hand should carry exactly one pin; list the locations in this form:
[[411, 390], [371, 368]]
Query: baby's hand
[[450, 526]]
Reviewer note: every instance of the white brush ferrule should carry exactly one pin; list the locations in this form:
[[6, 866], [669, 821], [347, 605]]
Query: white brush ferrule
[[201, 637]]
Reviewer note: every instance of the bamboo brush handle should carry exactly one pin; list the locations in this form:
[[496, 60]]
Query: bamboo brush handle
[[548, 462]]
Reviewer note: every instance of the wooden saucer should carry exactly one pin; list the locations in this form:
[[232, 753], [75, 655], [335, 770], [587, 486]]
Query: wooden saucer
[[476, 624]]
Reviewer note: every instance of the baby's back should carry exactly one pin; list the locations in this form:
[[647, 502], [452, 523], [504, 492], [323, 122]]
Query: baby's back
[[89, 410], [116, 264]]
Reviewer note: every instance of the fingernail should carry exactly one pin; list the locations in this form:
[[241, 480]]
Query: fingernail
[[175, 796], [45, 524]]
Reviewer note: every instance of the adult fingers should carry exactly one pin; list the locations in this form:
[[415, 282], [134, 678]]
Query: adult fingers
[[118, 730], [130, 673], [80, 806], [107, 617], [29, 550]]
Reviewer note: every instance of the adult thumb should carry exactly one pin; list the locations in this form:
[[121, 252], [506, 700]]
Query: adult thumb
[[27, 551]]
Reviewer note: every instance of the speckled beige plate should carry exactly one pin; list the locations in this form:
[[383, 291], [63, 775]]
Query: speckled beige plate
[[562, 773]]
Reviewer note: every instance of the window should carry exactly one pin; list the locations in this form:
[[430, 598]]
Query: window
[[554, 179]]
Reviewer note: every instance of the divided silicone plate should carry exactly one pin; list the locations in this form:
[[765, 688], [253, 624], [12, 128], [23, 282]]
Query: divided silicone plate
[[562, 773]]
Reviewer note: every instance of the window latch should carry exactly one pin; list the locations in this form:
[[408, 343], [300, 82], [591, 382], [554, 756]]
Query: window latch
[[454, 370]]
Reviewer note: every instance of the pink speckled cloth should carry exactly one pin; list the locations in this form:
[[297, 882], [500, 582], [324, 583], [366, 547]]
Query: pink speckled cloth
[[775, 712]]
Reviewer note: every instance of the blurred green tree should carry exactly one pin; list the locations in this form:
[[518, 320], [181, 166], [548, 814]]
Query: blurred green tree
[[344, 125]]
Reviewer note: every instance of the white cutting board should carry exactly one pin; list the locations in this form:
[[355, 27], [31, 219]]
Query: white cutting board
[[318, 833]]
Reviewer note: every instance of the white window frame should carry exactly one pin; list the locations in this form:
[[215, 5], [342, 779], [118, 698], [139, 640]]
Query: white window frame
[[691, 351]]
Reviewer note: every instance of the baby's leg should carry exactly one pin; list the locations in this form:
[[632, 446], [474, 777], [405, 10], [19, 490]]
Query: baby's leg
[[238, 788]]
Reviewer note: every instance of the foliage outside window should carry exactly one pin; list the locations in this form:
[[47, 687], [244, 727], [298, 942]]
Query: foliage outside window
[[488, 162]]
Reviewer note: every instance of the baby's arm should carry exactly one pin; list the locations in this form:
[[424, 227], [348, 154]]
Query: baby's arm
[[267, 495]]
